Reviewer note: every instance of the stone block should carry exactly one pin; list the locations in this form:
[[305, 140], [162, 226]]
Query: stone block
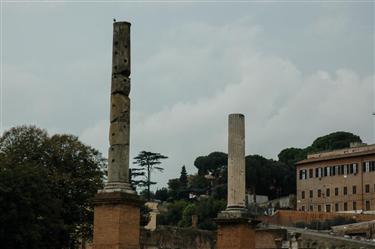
[[121, 48], [116, 221], [120, 84], [118, 163], [120, 108], [119, 133], [233, 235]]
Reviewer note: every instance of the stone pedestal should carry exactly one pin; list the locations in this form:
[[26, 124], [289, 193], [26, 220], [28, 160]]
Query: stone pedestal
[[116, 221], [235, 233]]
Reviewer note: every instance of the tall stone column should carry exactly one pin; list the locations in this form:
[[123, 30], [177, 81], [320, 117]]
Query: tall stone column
[[236, 162], [235, 228], [119, 131], [117, 206]]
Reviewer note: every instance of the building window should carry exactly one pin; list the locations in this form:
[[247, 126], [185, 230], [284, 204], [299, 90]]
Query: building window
[[345, 190], [328, 208], [311, 194], [354, 205], [316, 172], [367, 188], [368, 205], [351, 169], [303, 208], [319, 171], [336, 191], [303, 174], [303, 195], [345, 206], [354, 190], [319, 208], [311, 208], [355, 168], [311, 173], [325, 171], [319, 193], [328, 192], [333, 170], [341, 169], [368, 166], [346, 169], [336, 207]]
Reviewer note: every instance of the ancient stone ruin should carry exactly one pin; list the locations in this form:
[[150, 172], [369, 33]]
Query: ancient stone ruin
[[116, 213]]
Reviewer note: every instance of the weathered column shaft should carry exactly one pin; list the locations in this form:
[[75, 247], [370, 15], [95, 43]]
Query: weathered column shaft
[[119, 131], [236, 161], [117, 206]]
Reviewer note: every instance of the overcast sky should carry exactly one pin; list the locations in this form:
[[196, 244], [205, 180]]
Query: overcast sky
[[295, 70]]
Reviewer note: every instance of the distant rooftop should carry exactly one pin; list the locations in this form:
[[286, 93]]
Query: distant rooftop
[[356, 149]]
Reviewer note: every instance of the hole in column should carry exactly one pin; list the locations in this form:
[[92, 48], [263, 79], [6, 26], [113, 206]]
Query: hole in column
[[125, 60], [113, 160], [115, 52], [113, 134], [113, 105], [116, 43], [112, 149]]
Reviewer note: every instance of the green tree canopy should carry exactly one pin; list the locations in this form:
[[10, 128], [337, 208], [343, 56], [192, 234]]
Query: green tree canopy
[[333, 141], [290, 156], [146, 162], [161, 194], [49, 182], [211, 164]]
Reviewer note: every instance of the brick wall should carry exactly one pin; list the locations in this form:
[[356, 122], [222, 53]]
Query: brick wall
[[289, 217]]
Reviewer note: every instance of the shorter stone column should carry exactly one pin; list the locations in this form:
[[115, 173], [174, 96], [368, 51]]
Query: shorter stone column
[[236, 230]]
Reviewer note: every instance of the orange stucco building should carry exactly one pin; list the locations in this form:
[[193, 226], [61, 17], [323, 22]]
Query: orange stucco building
[[337, 181]]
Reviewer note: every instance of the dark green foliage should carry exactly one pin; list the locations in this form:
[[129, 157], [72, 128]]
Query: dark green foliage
[[187, 213], [30, 213], [198, 184], [46, 184], [144, 194], [207, 210], [269, 177], [290, 156], [161, 194], [214, 167], [184, 189], [211, 164], [183, 177], [174, 186], [179, 213], [333, 141], [146, 162], [174, 213]]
